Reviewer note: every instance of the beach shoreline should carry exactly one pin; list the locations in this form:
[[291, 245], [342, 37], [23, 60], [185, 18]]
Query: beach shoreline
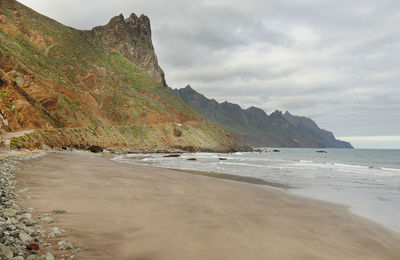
[[142, 212], [232, 177]]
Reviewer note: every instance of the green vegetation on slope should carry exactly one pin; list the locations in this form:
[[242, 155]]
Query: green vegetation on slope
[[149, 138], [54, 76]]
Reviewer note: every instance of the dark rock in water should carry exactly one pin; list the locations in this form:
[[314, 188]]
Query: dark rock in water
[[171, 155], [192, 159], [276, 151], [95, 149], [33, 246], [322, 151], [222, 159], [177, 132]]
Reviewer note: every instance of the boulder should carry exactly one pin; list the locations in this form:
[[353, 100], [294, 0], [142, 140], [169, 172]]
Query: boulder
[[95, 149]]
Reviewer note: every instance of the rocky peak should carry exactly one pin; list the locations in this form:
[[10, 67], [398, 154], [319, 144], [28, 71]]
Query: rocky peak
[[276, 114], [256, 113], [131, 37], [287, 113], [256, 110]]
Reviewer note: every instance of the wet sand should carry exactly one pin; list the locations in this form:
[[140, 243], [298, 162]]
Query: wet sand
[[121, 211]]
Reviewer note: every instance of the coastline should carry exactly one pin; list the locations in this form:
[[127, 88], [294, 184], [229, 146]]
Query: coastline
[[233, 177], [142, 212], [363, 181]]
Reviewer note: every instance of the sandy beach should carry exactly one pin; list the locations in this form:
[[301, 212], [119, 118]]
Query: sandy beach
[[120, 211]]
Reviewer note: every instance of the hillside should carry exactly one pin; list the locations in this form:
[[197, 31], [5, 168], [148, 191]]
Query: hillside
[[56, 77], [255, 127], [309, 128]]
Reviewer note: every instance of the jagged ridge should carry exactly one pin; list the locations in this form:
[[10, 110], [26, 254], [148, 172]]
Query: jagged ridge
[[256, 128], [132, 38], [309, 128]]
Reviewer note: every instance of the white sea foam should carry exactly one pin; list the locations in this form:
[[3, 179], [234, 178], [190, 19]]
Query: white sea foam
[[305, 161], [390, 169], [351, 166], [242, 164]]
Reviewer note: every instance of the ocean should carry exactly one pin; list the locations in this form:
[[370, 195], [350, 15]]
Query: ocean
[[365, 180]]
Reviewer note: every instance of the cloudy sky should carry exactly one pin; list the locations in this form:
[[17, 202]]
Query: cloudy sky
[[337, 62]]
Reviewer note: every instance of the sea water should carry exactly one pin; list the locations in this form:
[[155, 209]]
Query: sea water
[[366, 180]]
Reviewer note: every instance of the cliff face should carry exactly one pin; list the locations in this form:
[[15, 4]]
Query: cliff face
[[255, 127], [252, 125], [309, 128], [54, 76], [130, 37]]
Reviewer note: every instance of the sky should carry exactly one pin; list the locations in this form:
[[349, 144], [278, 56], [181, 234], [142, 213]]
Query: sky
[[337, 62]]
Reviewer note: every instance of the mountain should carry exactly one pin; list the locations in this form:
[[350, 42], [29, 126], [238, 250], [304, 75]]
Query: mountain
[[310, 129], [256, 128], [96, 87]]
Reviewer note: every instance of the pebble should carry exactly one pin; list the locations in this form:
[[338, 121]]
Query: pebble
[[47, 219], [25, 238], [33, 246], [51, 235], [49, 256], [65, 245], [27, 215], [55, 231], [59, 211], [10, 212], [6, 251], [76, 251]]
